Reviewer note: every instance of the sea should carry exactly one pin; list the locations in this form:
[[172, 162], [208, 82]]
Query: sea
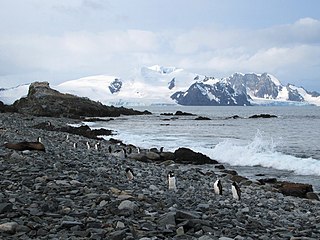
[[286, 147]]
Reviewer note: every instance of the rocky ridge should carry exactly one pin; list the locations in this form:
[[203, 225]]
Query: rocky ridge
[[45, 101], [81, 193]]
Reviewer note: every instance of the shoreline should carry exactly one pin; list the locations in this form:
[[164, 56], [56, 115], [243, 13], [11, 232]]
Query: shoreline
[[66, 192]]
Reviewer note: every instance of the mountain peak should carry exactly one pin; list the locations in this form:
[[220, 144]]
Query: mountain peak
[[170, 85]]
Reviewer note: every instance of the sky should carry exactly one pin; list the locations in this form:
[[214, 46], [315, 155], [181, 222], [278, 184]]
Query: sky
[[56, 40]]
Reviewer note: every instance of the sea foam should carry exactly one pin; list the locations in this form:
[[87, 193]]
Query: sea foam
[[262, 152]]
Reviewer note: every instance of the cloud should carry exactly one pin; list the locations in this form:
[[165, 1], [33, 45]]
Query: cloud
[[291, 51]]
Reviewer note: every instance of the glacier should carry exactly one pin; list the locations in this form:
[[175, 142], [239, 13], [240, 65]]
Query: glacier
[[159, 85]]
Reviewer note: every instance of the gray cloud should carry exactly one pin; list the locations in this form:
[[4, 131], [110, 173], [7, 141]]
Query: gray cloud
[[291, 52]]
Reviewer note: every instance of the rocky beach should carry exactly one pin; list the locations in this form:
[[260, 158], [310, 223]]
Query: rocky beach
[[81, 193], [76, 186]]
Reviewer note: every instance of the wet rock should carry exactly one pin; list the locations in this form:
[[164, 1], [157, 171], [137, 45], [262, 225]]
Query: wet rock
[[180, 113], [231, 172], [202, 118], [263, 116], [219, 166], [187, 156], [267, 180]]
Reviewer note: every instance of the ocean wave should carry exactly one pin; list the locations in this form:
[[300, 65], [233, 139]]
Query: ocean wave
[[262, 152]]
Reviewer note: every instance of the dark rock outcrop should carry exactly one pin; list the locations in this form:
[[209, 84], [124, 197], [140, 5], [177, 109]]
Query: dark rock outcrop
[[202, 118], [180, 113], [6, 108], [187, 156], [115, 86], [263, 181], [294, 189], [218, 94], [263, 115], [44, 101], [84, 130]]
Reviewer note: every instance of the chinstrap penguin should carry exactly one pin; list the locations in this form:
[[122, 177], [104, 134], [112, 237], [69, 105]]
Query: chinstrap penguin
[[171, 181], [217, 186], [129, 174], [236, 193]]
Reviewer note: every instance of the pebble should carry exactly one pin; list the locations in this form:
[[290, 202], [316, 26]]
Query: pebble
[[67, 193]]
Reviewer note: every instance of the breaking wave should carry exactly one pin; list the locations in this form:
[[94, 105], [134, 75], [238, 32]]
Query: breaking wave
[[262, 152]]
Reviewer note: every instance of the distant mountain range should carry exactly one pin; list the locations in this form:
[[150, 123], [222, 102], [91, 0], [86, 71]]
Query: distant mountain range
[[158, 85]]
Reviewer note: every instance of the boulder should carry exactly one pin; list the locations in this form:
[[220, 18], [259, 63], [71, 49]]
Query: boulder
[[8, 227], [153, 156], [238, 178], [202, 118], [44, 101], [294, 189], [312, 196], [263, 181], [187, 156], [167, 156], [263, 116], [180, 113], [167, 219], [22, 146], [128, 205], [231, 172]]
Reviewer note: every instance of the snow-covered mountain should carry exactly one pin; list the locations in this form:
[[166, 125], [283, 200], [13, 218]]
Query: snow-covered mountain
[[169, 85]]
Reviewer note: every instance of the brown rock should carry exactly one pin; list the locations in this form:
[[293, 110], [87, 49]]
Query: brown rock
[[21, 146], [294, 189], [237, 178]]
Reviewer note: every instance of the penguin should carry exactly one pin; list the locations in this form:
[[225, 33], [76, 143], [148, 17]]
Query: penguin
[[217, 186], [129, 174], [138, 150], [110, 149], [171, 181], [88, 145], [161, 149], [236, 193], [75, 145], [67, 138], [97, 146], [39, 140]]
